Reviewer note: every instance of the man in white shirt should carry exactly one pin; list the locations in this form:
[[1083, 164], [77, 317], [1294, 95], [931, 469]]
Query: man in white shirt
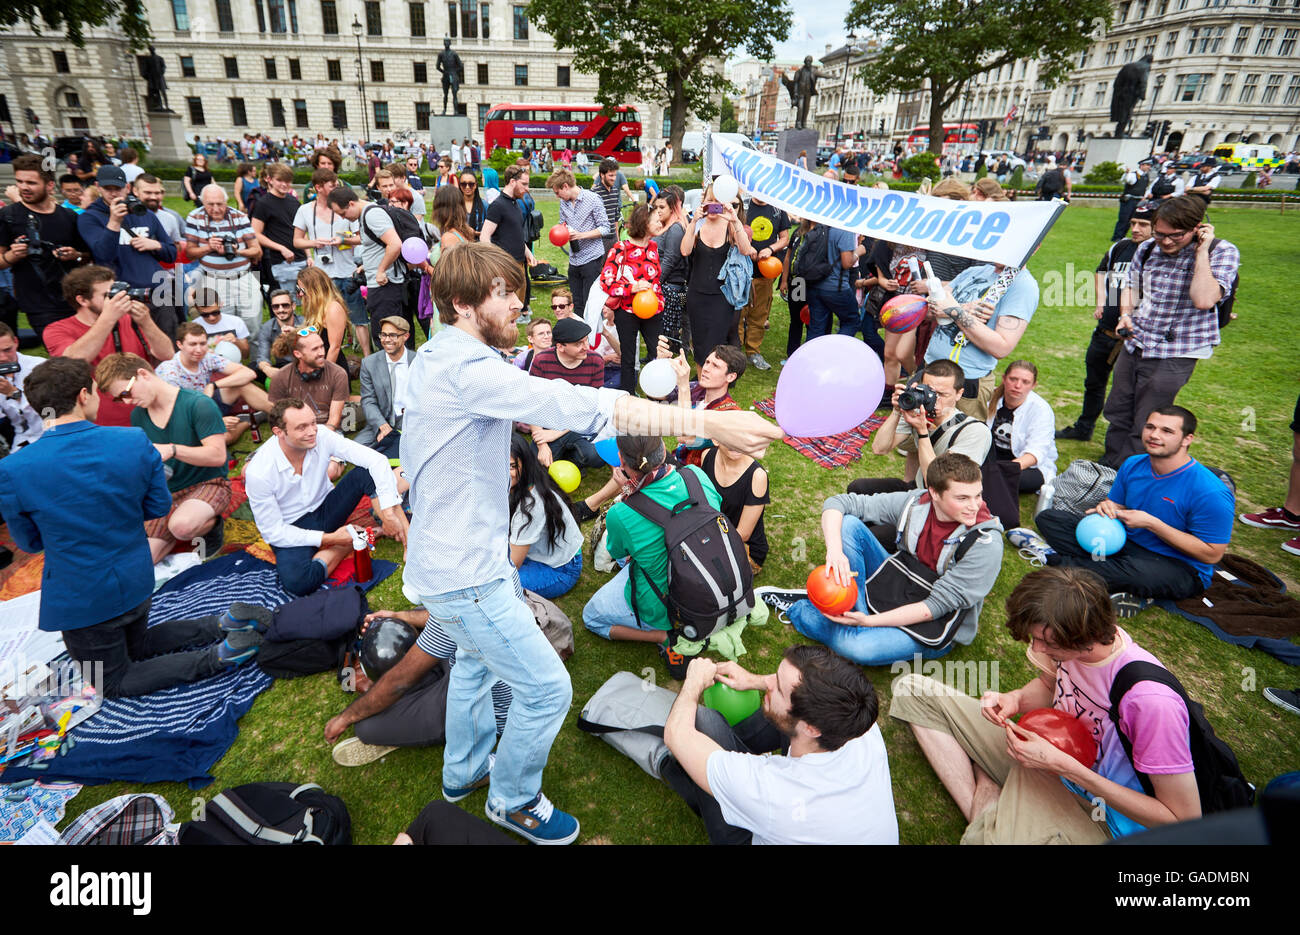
[[220, 327], [196, 367], [383, 388], [24, 421], [298, 512], [831, 786]]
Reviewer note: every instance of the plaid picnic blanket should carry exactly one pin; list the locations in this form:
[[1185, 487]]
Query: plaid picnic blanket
[[831, 451]]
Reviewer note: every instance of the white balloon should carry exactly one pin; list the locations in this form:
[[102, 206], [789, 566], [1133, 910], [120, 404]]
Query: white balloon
[[658, 378], [228, 350], [725, 188]]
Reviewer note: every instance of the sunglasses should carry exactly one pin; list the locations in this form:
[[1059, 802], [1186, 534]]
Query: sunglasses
[[211, 311], [281, 305], [126, 393], [556, 308], [469, 184], [310, 329]]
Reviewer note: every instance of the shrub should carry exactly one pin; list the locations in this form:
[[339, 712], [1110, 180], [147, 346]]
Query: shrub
[[921, 166], [1104, 173], [1017, 180], [500, 158]]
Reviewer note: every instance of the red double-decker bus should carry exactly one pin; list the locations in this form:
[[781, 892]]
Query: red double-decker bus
[[579, 127], [957, 137]]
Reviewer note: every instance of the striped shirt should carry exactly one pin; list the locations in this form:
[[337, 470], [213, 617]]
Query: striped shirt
[[463, 402], [1165, 322], [199, 227], [434, 640], [612, 199], [586, 213], [591, 372]]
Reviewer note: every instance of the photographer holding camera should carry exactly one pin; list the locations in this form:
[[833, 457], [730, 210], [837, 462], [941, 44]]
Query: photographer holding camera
[[40, 243], [126, 236], [109, 318], [24, 424], [221, 238]]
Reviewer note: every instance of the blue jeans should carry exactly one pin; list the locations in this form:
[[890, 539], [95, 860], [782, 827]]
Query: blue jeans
[[550, 582], [867, 646], [497, 637], [351, 290], [576, 448], [829, 297], [608, 607], [299, 572]]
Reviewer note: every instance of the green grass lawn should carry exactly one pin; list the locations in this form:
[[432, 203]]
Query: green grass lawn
[[1244, 398]]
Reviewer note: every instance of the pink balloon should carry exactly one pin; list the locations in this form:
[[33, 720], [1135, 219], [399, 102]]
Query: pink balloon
[[365, 292], [414, 251], [830, 385]]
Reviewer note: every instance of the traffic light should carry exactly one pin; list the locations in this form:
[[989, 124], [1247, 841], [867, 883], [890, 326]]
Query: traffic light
[[1164, 131], [1150, 129], [882, 126], [860, 135], [31, 117]]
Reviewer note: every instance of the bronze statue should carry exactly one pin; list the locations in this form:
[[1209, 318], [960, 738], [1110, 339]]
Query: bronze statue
[[802, 88], [152, 67], [1130, 88], [453, 74]]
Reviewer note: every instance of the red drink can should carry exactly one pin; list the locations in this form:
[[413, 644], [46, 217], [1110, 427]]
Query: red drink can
[[361, 557]]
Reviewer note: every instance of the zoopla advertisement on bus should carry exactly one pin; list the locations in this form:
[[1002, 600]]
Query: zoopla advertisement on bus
[[994, 232]]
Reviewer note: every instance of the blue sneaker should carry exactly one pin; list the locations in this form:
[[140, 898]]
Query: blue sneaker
[[1033, 547], [460, 792], [539, 821], [238, 647], [243, 616]]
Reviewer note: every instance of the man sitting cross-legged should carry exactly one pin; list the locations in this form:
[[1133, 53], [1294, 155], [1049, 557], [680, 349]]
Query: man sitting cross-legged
[[297, 511], [195, 367], [1013, 786], [186, 428]]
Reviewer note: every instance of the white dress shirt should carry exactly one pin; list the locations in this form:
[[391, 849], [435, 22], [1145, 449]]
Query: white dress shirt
[[278, 495], [398, 370], [25, 420]]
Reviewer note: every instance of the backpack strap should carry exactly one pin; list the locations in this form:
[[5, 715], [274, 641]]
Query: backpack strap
[[591, 727], [233, 813], [1125, 679]]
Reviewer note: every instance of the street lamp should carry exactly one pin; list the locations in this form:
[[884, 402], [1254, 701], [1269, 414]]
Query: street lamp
[[361, 80], [848, 55]]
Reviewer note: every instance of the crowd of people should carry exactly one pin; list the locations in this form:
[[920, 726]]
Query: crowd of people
[[197, 330]]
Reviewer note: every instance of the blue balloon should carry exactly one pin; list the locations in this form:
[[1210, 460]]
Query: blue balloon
[[1100, 535], [608, 450]]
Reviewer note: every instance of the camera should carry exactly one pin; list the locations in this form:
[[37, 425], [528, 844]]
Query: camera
[[35, 246], [11, 367], [324, 259], [229, 243], [139, 293], [917, 395], [134, 205]]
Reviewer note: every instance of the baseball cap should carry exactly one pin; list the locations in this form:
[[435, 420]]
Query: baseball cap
[[570, 330], [112, 176]]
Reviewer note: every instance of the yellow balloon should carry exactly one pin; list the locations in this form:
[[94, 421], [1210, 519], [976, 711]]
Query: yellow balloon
[[762, 228], [566, 475]]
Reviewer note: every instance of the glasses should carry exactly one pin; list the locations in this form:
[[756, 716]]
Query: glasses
[[391, 334], [126, 393], [310, 329], [1174, 236], [300, 290], [205, 312], [281, 305], [468, 184]]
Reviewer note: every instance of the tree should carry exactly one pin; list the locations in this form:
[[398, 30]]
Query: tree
[[948, 42], [662, 51], [73, 17], [727, 117]]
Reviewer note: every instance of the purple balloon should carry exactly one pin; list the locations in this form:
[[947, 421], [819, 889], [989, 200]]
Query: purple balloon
[[414, 251], [830, 385]]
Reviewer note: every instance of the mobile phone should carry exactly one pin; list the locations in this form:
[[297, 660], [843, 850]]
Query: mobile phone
[[674, 345], [714, 208]]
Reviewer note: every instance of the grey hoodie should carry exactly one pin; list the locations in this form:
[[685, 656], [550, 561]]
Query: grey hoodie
[[962, 584]]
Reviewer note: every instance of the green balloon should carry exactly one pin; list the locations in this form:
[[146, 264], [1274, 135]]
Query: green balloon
[[733, 705]]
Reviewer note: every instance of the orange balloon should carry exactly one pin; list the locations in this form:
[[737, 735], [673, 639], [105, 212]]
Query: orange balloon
[[827, 595], [645, 304], [769, 267]]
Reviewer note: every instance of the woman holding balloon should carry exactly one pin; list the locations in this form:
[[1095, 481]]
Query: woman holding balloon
[[545, 540], [715, 229], [631, 279]]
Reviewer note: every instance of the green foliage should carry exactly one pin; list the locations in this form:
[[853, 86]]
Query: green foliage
[[73, 17], [727, 117], [941, 44], [921, 165], [499, 158], [663, 50], [1017, 180], [1249, 181], [1104, 173], [982, 173]]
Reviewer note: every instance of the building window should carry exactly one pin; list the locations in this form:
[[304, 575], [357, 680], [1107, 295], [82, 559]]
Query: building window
[[374, 20], [329, 17], [451, 20], [377, 71], [277, 111], [417, 19], [270, 69], [1287, 47], [668, 124], [521, 22], [333, 69], [261, 15], [295, 70], [1248, 89], [422, 115], [232, 66], [521, 76], [1130, 49], [300, 113], [1190, 87], [1171, 44], [1265, 42], [420, 72], [225, 18], [1191, 39], [279, 22], [482, 115], [1099, 95], [61, 61], [468, 18], [483, 21], [195, 105], [238, 117], [1292, 92], [73, 99], [381, 115], [1271, 89], [1149, 45], [1083, 58], [1225, 87], [1162, 7], [180, 15], [187, 66], [1112, 49], [1155, 92], [1123, 14], [339, 114], [561, 76], [293, 16], [1239, 44], [1141, 12], [482, 73]]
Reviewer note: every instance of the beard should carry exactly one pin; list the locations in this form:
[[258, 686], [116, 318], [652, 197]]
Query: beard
[[785, 724], [499, 332]]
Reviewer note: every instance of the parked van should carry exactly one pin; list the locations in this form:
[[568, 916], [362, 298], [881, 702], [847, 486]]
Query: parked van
[[1248, 155]]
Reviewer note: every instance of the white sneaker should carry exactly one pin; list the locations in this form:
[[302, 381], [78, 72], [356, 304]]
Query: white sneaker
[[1032, 547]]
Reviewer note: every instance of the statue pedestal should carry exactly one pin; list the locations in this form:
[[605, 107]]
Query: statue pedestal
[[443, 128], [168, 138], [1125, 150], [790, 142]]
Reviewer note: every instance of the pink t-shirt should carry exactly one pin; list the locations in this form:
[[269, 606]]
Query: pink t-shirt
[[1152, 715]]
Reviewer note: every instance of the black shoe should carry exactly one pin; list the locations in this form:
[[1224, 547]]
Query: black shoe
[[1129, 605], [214, 538], [674, 661], [1077, 432], [1286, 700], [583, 513]]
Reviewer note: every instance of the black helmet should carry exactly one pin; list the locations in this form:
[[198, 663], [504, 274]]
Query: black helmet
[[385, 642]]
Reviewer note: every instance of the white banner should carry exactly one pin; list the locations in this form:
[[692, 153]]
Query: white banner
[[981, 230]]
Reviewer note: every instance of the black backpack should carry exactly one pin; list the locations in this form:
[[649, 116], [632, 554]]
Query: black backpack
[[1218, 777], [1224, 307], [811, 263], [1052, 182], [271, 813], [710, 582], [404, 223]]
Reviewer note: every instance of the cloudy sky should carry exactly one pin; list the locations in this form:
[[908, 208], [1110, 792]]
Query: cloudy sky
[[816, 22]]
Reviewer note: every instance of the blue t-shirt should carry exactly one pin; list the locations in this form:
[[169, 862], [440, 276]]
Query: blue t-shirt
[[1191, 499], [839, 241], [1019, 301]]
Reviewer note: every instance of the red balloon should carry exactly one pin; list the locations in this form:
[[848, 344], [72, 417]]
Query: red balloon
[[559, 235], [769, 267], [903, 313], [1067, 734], [804, 315], [645, 304], [827, 595]]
